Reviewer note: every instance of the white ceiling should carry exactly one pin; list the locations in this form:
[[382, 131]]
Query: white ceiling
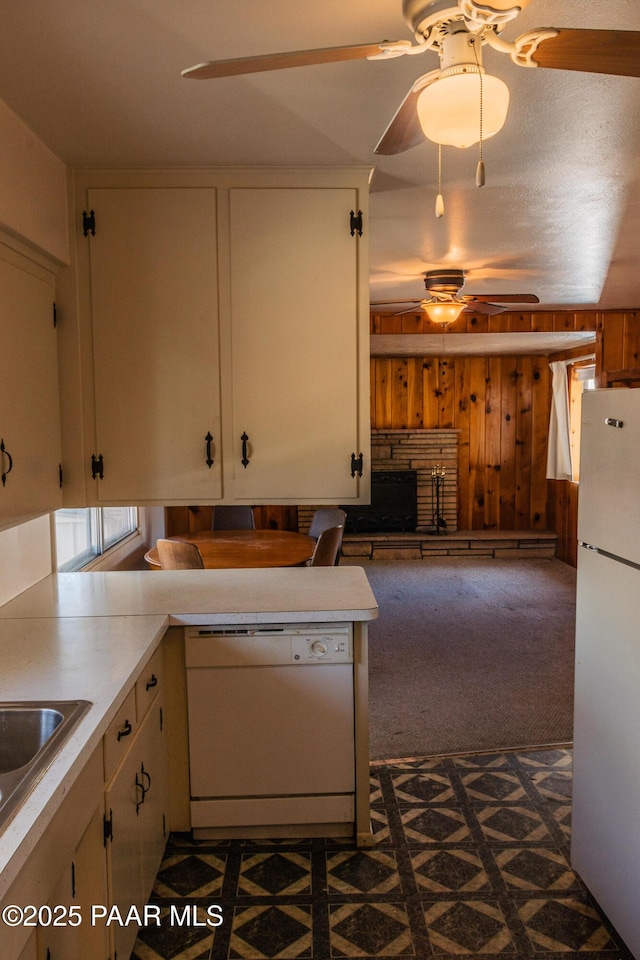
[[99, 81]]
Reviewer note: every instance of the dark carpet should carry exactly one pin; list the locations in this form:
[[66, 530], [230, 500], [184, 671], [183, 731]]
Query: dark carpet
[[470, 655]]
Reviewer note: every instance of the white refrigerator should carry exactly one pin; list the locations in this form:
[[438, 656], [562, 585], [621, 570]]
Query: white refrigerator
[[605, 846]]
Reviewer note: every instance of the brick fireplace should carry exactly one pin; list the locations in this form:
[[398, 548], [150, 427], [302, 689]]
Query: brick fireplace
[[418, 451], [421, 450]]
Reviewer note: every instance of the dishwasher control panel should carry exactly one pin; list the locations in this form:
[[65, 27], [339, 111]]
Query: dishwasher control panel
[[332, 646], [240, 646]]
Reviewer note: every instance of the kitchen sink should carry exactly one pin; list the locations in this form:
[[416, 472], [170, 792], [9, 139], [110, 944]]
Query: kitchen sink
[[31, 734]]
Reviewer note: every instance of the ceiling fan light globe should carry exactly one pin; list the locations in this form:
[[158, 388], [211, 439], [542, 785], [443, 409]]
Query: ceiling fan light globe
[[442, 311], [449, 108]]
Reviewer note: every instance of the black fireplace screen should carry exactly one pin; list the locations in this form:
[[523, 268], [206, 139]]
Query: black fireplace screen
[[393, 506]]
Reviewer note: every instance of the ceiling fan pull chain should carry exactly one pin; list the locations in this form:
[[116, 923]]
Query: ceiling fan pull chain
[[439, 198], [480, 172]]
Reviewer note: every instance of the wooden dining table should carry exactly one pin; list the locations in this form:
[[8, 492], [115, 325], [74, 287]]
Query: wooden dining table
[[222, 549]]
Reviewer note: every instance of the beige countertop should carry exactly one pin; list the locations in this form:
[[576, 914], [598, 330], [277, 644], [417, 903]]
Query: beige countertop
[[204, 596], [88, 635]]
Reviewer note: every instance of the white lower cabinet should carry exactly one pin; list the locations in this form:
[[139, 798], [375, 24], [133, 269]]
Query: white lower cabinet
[[82, 884], [136, 802]]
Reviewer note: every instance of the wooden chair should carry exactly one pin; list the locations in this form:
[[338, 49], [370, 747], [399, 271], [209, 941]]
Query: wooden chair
[[179, 555], [323, 518], [232, 518], [327, 549]]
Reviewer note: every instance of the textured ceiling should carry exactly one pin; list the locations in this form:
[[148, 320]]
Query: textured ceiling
[[99, 81]]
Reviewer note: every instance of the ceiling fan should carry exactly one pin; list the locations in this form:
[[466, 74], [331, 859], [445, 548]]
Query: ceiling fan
[[445, 304], [457, 32]]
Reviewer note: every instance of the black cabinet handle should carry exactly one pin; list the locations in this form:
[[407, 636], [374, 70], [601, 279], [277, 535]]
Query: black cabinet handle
[[209, 459], [245, 458], [125, 731], [143, 792], [153, 682], [5, 453]]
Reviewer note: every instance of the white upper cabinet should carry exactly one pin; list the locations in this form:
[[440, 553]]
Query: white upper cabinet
[[29, 407], [224, 317], [294, 336], [154, 313]]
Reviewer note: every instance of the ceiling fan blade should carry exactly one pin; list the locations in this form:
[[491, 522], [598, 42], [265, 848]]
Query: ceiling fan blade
[[380, 303], [500, 297], [488, 309], [614, 52], [280, 61], [414, 309], [405, 131]]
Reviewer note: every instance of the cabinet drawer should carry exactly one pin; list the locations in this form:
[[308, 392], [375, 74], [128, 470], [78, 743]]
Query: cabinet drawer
[[118, 736], [149, 683]]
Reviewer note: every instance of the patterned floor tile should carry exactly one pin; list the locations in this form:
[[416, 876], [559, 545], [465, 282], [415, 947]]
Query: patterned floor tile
[[370, 930], [422, 788], [557, 759], [190, 875], [490, 785], [174, 942], [380, 825], [486, 761], [553, 784], [536, 869], [469, 857], [274, 874], [375, 789], [363, 871], [468, 926], [435, 825], [561, 813], [508, 824], [449, 871], [565, 926], [271, 931]]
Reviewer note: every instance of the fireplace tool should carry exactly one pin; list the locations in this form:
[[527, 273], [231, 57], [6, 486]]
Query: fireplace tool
[[439, 524]]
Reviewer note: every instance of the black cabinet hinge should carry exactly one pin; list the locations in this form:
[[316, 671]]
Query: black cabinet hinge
[[88, 223], [356, 465], [108, 827], [55, 314], [97, 466], [355, 222]]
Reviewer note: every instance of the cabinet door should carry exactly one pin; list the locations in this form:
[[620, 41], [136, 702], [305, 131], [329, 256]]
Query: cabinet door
[[83, 883], [154, 298], [137, 805], [124, 861], [295, 328], [29, 409], [154, 777]]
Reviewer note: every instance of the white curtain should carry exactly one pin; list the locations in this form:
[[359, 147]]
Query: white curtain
[[559, 450]]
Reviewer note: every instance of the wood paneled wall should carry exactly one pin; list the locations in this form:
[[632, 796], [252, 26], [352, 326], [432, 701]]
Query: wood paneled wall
[[617, 348], [500, 405]]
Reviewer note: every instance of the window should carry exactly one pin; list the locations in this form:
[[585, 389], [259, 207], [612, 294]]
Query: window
[[582, 378], [84, 534]]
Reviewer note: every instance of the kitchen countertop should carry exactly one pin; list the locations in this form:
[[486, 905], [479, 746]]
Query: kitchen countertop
[[88, 635], [191, 597]]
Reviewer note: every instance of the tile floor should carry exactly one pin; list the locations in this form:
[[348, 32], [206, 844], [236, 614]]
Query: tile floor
[[471, 859]]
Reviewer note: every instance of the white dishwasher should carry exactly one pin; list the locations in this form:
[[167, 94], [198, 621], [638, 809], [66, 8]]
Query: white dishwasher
[[271, 730]]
